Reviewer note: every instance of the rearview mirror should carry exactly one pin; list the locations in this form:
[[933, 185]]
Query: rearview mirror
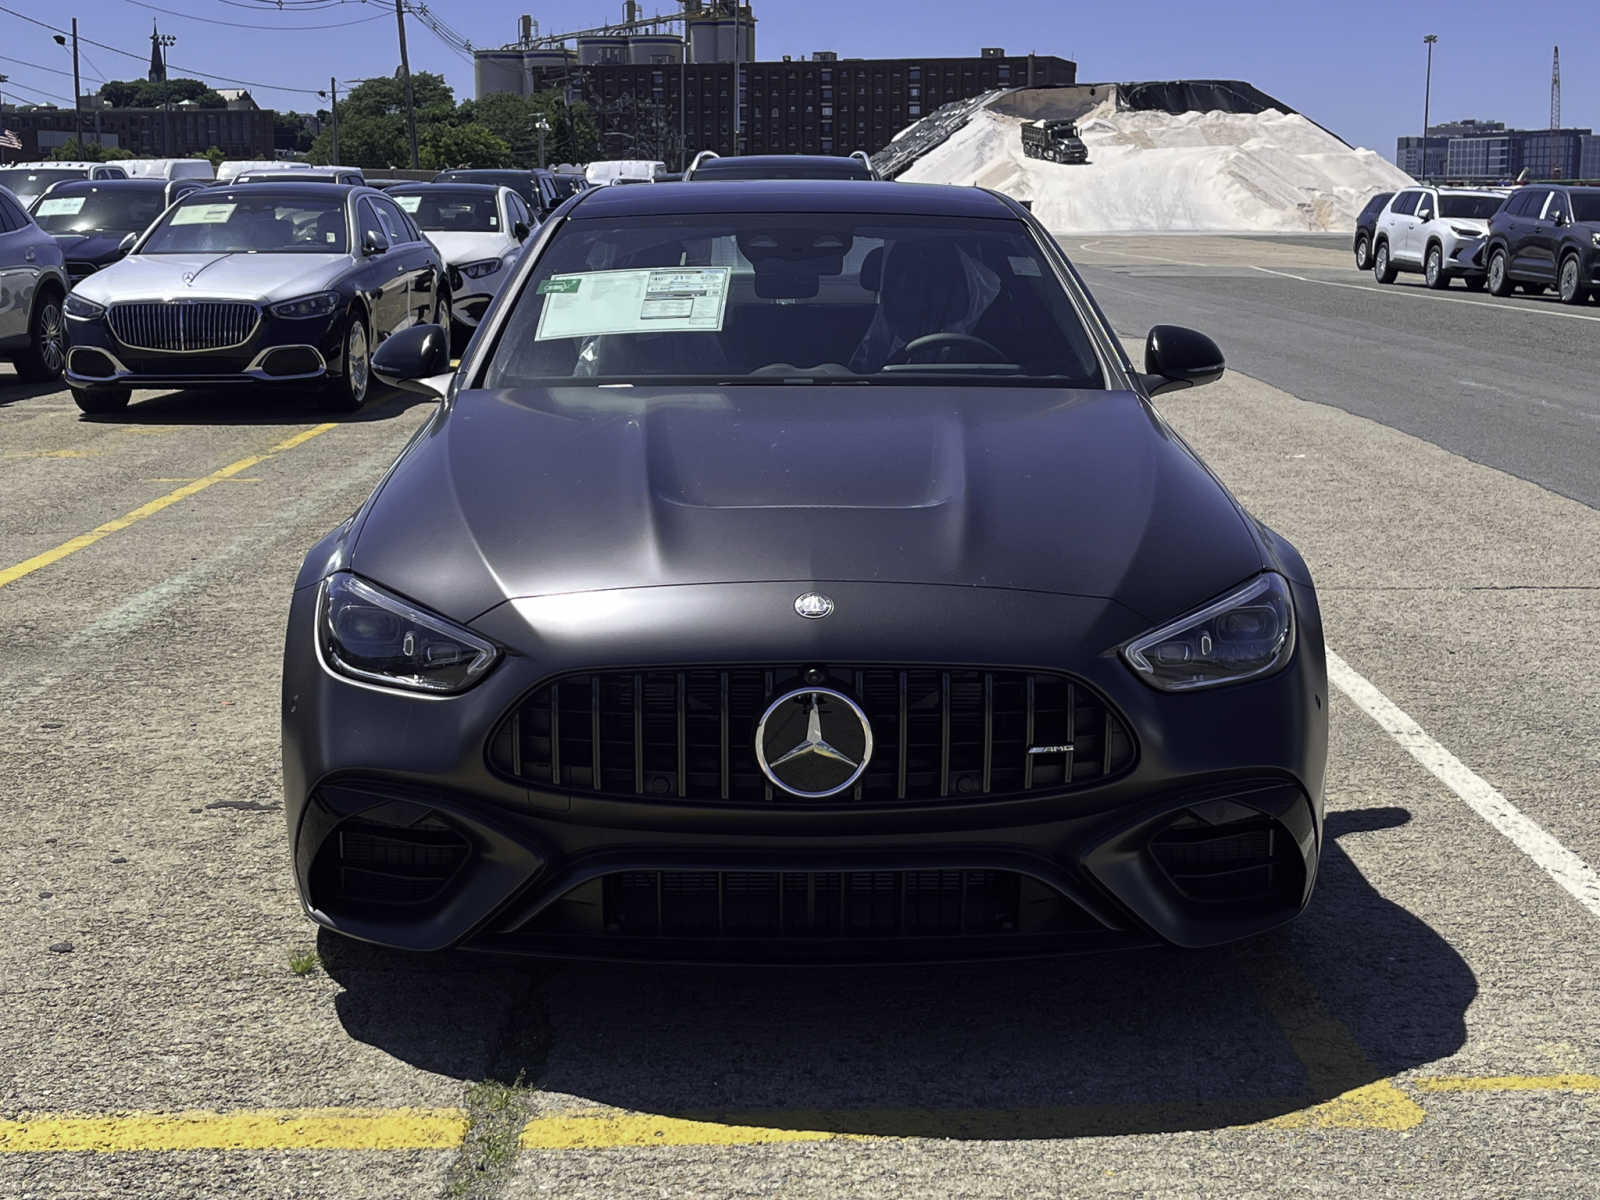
[[1175, 357], [416, 359], [373, 242], [127, 244]]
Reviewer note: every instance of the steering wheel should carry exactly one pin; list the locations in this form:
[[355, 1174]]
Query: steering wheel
[[938, 341]]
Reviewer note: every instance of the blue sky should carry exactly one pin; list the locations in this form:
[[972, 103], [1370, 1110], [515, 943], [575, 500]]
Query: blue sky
[[1355, 66]]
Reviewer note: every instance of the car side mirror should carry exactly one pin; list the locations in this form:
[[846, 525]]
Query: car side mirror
[[126, 244], [520, 231], [1175, 357], [416, 359], [1425, 214], [373, 242]]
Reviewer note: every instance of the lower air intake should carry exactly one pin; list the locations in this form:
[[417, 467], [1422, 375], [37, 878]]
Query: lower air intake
[[368, 866]]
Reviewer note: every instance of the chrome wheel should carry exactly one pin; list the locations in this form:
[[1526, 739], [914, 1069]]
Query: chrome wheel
[[1497, 273], [1570, 282], [1433, 268], [357, 363], [52, 338], [1363, 254]]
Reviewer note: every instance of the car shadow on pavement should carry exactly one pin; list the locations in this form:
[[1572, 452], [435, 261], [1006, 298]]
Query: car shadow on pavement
[[200, 407], [14, 390], [1146, 1041]]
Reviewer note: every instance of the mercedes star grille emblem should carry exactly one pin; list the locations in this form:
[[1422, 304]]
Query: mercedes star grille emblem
[[813, 742], [813, 605]]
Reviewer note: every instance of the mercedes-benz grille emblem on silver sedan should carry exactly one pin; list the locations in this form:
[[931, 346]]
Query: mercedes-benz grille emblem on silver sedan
[[813, 605], [813, 742]]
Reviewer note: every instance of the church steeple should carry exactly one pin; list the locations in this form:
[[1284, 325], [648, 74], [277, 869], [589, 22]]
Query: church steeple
[[158, 68]]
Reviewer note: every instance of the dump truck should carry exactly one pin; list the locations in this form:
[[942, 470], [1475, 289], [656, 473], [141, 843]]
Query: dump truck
[[1054, 141]]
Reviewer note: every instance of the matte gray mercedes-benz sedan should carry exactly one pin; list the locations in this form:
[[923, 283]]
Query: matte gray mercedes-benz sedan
[[801, 571], [265, 283]]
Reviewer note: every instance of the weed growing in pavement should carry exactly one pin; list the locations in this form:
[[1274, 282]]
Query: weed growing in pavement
[[303, 962]]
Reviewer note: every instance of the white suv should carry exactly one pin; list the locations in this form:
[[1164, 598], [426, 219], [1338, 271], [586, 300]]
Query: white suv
[[1421, 229]]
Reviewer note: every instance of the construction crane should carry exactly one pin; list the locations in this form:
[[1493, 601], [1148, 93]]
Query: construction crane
[[1555, 91]]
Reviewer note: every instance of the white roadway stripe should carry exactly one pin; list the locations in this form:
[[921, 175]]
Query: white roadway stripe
[[1429, 294], [1561, 864]]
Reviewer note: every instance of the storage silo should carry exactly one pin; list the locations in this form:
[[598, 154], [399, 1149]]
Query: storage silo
[[647, 48], [723, 34], [498, 71], [602, 50]]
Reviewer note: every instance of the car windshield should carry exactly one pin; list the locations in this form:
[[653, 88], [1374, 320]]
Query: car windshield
[[241, 223], [1586, 206], [27, 184], [113, 210], [452, 212], [763, 298], [1479, 207]]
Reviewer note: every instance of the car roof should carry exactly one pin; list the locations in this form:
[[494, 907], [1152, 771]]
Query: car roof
[[481, 172], [293, 187], [52, 166], [819, 162], [792, 195], [72, 187], [451, 185]]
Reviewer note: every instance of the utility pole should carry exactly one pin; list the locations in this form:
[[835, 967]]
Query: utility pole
[[542, 127], [77, 101], [405, 74], [1427, 93], [333, 94]]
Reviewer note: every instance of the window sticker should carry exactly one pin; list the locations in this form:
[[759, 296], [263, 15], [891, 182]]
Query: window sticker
[[661, 300], [61, 206], [1024, 267], [408, 204], [203, 214]]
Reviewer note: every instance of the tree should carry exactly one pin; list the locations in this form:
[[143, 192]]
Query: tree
[[365, 141], [216, 155], [462, 146], [73, 150], [140, 93], [386, 97]]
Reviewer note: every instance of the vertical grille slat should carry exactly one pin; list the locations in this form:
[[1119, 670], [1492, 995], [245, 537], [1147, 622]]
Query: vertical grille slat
[[185, 327], [674, 735]]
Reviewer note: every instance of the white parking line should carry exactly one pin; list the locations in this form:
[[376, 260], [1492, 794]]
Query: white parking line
[[1394, 291], [1561, 864]]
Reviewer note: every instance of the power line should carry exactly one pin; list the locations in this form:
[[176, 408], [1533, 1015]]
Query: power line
[[11, 85], [22, 62], [172, 12]]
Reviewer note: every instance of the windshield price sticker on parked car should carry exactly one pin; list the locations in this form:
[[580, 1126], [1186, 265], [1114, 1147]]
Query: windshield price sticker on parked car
[[408, 204], [61, 206], [675, 300], [203, 214]]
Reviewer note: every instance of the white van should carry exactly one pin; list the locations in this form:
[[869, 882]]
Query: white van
[[633, 170], [167, 168], [227, 170]]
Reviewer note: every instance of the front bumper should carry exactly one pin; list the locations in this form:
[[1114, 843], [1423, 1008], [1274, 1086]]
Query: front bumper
[[386, 787], [470, 298], [1464, 257], [278, 351]]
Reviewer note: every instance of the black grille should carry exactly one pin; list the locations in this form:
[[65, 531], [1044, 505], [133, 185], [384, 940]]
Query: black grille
[[1239, 863], [364, 863], [811, 905], [689, 735], [185, 326]]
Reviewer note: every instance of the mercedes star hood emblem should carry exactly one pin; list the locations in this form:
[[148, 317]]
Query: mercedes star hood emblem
[[813, 742]]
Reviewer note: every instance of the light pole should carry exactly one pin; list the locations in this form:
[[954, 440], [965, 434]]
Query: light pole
[[3, 145], [77, 102], [1427, 97], [541, 127]]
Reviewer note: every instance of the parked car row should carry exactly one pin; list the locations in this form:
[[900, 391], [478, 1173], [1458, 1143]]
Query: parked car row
[[1537, 237]]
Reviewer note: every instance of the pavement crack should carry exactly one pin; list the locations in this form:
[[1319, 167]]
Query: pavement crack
[[500, 1105]]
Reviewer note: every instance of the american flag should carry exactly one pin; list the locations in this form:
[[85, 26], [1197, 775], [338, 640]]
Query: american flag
[[9, 140]]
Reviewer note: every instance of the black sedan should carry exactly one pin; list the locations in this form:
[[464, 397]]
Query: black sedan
[[799, 570], [96, 221], [287, 284]]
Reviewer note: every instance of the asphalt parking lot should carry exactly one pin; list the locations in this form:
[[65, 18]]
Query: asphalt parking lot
[[1431, 1026]]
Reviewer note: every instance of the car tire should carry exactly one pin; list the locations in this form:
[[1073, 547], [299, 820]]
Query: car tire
[[46, 355], [1363, 253], [101, 401], [349, 392], [1382, 269], [1571, 287], [1499, 275], [444, 318], [1433, 272]]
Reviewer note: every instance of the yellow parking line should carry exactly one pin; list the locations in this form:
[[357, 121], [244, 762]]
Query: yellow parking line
[[83, 540], [1508, 1083], [263, 1129]]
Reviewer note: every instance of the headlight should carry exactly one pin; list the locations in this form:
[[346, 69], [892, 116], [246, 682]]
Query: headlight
[[319, 305], [365, 633], [1248, 633], [83, 310], [1594, 239], [477, 270]]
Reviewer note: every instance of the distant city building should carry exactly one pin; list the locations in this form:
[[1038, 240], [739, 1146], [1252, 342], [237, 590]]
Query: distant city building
[[148, 132], [1487, 152]]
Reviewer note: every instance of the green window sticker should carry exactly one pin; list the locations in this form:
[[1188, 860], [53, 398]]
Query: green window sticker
[[560, 285]]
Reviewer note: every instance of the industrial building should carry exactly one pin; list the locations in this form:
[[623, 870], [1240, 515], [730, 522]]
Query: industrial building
[[660, 93], [147, 132], [1488, 152]]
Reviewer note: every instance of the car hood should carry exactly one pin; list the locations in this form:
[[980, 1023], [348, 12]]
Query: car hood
[[1478, 224], [94, 246], [263, 277], [540, 492], [458, 248]]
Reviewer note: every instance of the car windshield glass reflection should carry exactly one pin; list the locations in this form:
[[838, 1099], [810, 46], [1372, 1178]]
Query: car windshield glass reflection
[[238, 222], [1470, 207], [28, 184], [826, 298], [103, 209], [452, 212], [1586, 206]]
